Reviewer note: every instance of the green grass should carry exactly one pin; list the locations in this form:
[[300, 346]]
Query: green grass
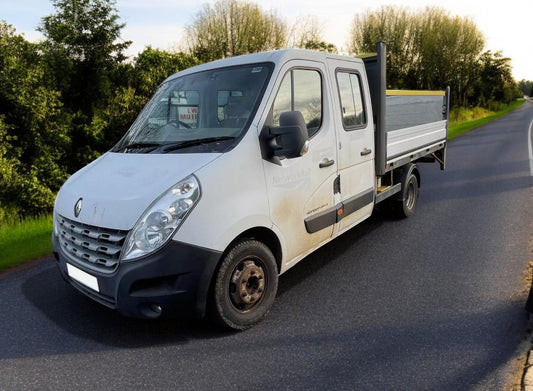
[[457, 129], [25, 240]]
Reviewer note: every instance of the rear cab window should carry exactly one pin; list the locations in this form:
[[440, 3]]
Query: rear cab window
[[353, 111]]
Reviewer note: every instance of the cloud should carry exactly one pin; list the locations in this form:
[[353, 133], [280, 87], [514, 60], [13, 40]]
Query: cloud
[[158, 36]]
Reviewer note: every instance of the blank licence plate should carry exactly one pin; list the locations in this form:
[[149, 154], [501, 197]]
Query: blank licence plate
[[83, 277]]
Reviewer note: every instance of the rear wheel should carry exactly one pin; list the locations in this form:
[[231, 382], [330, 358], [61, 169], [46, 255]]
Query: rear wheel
[[410, 196], [403, 204], [245, 285]]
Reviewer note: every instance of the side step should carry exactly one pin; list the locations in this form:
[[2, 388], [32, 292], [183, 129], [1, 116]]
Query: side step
[[385, 192]]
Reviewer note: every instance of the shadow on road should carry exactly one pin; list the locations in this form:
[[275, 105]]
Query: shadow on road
[[81, 317], [329, 253]]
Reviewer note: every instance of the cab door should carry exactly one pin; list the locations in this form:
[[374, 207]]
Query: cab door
[[355, 142], [300, 190]]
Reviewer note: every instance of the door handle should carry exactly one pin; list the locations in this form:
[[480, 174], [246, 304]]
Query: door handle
[[366, 151], [326, 163]]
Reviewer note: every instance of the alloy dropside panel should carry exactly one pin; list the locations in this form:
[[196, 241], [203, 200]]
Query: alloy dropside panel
[[410, 125]]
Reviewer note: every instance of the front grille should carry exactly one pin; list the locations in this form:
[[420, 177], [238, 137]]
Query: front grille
[[95, 248]]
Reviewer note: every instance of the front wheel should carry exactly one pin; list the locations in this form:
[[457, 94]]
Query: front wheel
[[245, 285]]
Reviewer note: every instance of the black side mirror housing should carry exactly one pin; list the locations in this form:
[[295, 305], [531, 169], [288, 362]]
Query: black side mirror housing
[[288, 140]]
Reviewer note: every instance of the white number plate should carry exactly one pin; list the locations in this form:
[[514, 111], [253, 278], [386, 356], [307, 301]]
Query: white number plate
[[82, 277]]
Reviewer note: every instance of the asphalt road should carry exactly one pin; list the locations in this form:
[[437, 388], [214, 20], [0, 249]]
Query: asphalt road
[[433, 302]]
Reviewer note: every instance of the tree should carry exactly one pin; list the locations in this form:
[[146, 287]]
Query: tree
[[83, 49], [425, 50], [449, 48], [85, 35], [32, 128], [308, 32], [232, 27], [321, 46], [526, 87], [496, 83], [393, 25]]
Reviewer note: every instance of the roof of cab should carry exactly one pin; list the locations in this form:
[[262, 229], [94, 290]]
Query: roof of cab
[[275, 56]]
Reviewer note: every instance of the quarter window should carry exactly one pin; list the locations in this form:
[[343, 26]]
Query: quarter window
[[300, 90], [353, 109]]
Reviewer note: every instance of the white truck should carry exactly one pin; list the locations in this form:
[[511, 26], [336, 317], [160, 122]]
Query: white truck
[[235, 171]]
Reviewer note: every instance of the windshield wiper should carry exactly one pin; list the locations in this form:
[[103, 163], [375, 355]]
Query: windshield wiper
[[191, 143], [136, 146]]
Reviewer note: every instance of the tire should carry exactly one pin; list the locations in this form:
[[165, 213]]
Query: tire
[[403, 204], [409, 197], [245, 286]]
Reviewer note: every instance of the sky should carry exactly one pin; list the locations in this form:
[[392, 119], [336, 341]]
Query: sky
[[507, 26]]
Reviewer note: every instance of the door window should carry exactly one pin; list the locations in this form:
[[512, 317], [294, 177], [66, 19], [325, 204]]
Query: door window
[[351, 97]]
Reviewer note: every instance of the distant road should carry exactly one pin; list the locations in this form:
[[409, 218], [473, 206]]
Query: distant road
[[433, 302]]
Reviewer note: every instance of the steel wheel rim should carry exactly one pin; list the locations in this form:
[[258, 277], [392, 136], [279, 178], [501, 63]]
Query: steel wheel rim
[[247, 284], [411, 197]]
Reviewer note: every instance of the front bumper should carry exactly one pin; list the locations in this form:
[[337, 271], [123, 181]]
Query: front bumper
[[173, 281]]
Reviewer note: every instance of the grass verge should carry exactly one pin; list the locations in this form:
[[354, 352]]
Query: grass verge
[[25, 240], [457, 129]]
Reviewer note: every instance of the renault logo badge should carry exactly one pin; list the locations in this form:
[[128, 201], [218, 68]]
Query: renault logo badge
[[77, 207]]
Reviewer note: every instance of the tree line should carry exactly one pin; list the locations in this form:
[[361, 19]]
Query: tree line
[[69, 98], [431, 49]]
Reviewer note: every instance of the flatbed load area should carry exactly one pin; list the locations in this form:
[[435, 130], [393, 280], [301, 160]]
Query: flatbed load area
[[411, 126], [415, 124]]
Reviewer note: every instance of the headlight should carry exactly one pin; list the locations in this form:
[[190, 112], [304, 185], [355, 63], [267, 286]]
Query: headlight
[[159, 222]]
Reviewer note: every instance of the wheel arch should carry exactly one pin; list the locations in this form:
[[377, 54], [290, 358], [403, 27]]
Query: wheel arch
[[263, 235], [405, 171], [416, 171]]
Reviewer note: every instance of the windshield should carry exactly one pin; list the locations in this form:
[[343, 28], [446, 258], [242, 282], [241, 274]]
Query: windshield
[[202, 112]]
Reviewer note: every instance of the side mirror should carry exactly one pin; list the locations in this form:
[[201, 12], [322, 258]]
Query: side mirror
[[289, 140]]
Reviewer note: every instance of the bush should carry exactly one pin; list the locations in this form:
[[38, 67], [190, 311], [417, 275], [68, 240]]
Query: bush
[[462, 114], [22, 195]]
